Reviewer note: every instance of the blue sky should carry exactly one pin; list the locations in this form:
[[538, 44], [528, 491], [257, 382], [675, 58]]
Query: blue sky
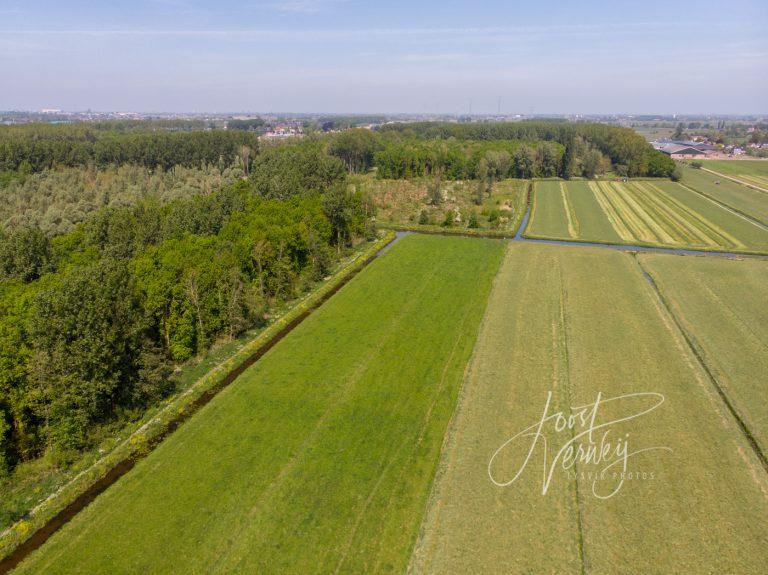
[[673, 56]]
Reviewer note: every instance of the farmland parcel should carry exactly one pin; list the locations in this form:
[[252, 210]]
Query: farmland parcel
[[722, 305], [653, 213], [747, 200], [577, 322], [754, 172], [320, 457]]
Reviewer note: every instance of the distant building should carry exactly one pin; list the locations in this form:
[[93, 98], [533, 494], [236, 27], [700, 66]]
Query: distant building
[[679, 151]]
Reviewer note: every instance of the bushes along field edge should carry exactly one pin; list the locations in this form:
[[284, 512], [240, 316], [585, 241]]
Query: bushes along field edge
[[176, 410]]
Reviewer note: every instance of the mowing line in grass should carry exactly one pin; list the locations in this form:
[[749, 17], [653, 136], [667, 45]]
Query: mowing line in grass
[[676, 229], [573, 222], [694, 233], [744, 199], [710, 228], [661, 234], [613, 217], [637, 227], [759, 180]]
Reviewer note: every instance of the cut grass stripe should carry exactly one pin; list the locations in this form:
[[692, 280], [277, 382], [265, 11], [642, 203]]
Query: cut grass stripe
[[695, 235], [639, 230], [573, 222], [668, 218], [759, 180], [734, 211], [710, 226], [642, 211], [687, 217], [610, 213]]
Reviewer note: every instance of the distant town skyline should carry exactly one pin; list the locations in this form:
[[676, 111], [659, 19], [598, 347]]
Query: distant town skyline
[[337, 56]]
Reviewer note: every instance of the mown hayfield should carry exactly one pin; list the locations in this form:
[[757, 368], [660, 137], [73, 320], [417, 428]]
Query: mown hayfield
[[722, 305], [753, 172], [320, 457], [576, 322], [746, 200], [568, 210], [652, 213]]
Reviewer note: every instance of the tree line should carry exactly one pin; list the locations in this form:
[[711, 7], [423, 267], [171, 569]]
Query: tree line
[[627, 151], [93, 321], [35, 147]]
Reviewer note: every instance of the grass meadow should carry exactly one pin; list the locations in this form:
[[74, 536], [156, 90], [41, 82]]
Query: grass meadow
[[753, 172], [577, 321], [319, 458], [748, 201], [651, 213], [722, 306]]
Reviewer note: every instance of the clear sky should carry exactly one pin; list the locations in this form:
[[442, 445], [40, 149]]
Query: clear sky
[[575, 56]]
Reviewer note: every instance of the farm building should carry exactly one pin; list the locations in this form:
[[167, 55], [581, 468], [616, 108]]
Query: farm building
[[681, 151]]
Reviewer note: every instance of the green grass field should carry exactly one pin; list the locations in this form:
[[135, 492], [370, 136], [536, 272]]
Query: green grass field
[[578, 321], [722, 305], [753, 172], [741, 198], [653, 213], [320, 457]]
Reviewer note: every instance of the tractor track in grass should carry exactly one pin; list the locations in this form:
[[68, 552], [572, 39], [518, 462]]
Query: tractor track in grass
[[569, 402]]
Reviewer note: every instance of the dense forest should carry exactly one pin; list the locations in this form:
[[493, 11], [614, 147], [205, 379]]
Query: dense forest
[[114, 275], [401, 156], [58, 199], [35, 147], [627, 151]]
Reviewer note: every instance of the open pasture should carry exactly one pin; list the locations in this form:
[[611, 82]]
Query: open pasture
[[722, 306], [748, 201], [577, 322], [753, 172], [319, 458], [652, 213]]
